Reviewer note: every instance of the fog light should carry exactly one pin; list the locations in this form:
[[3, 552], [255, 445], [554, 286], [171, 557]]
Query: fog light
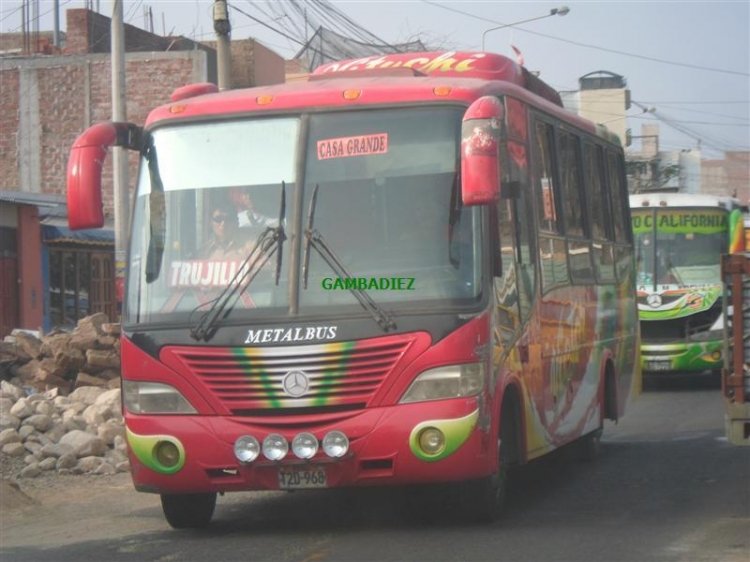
[[335, 444], [275, 447], [167, 454], [246, 448], [431, 441], [305, 445]]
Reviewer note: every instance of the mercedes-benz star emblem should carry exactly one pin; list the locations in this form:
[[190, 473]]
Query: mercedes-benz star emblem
[[654, 300], [296, 383]]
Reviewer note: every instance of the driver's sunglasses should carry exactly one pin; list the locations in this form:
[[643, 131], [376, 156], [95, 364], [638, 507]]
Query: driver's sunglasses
[[219, 218]]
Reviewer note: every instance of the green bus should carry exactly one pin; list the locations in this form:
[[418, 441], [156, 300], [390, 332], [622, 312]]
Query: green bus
[[679, 240]]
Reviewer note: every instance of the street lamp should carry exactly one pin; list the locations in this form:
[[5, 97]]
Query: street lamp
[[561, 11]]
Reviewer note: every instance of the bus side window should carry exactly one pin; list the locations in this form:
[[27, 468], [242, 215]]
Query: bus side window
[[619, 200], [544, 178], [574, 209], [506, 286], [520, 220], [552, 247], [602, 232], [620, 215]]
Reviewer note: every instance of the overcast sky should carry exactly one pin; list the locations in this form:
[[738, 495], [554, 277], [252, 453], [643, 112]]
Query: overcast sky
[[700, 82]]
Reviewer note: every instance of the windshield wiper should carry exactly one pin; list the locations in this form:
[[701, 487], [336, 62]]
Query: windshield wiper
[[269, 241], [315, 240]]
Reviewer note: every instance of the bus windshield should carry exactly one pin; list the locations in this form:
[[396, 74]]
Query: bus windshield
[[679, 247], [388, 208]]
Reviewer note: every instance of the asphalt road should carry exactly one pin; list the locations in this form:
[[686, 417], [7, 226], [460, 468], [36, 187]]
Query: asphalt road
[[667, 487]]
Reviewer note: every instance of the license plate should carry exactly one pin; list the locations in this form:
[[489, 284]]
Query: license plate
[[658, 365], [296, 478]]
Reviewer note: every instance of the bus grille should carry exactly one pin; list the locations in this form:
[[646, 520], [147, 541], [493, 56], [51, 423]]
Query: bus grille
[[666, 331], [338, 376]]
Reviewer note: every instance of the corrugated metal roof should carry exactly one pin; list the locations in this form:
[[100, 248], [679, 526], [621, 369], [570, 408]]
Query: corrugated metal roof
[[29, 198]]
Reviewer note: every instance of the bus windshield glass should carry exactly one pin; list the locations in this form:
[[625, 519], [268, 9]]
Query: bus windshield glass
[[388, 208], [679, 247]]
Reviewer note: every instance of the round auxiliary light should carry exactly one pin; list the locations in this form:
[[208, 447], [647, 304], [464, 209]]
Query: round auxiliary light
[[431, 440], [275, 447], [246, 448], [167, 454], [716, 355], [335, 444], [305, 445]]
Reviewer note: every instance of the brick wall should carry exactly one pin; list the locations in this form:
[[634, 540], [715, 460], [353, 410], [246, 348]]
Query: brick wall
[[9, 87], [253, 64], [73, 92]]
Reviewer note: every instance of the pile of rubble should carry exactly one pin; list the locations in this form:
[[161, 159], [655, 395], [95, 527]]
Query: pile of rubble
[[60, 401], [87, 356]]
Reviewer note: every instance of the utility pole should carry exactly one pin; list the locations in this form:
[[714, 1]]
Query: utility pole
[[56, 34], [119, 157], [222, 27]]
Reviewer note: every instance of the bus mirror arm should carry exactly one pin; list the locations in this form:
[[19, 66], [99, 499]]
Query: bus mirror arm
[[84, 173]]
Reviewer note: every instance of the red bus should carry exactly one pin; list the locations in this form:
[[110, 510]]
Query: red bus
[[408, 269]]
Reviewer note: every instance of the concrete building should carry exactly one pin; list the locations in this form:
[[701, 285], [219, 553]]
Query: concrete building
[[730, 176], [48, 100], [603, 98], [653, 169]]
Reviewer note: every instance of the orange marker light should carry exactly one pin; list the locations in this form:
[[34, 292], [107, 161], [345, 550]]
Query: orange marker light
[[352, 94], [263, 100], [177, 109], [441, 90]]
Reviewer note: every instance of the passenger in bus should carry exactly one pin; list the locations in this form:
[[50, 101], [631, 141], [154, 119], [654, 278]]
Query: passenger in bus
[[223, 243], [249, 216]]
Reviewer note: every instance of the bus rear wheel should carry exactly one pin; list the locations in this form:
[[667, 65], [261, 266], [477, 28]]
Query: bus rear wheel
[[188, 511]]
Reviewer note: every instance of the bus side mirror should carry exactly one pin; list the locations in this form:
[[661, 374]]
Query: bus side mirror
[[480, 157], [84, 175]]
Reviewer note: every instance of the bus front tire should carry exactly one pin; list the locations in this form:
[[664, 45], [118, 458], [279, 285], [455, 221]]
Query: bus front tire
[[188, 511], [483, 499]]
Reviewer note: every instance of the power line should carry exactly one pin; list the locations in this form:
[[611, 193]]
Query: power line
[[586, 45], [11, 12], [34, 20], [698, 102], [244, 13], [698, 122]]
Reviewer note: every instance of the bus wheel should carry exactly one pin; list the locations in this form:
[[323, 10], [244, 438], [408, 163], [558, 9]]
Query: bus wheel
[[483, 499], [188, 511]]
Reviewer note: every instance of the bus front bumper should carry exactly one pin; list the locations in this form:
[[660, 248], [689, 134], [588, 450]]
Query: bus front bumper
[[692, 356], [384, 450]]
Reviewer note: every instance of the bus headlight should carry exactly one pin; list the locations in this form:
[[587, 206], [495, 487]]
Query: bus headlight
[[275, 447], [305, 445], [246, 448], [154, 398], [335, 444], [452, 381]]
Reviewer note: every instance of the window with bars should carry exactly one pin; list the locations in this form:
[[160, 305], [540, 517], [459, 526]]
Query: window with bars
[[81, 282]]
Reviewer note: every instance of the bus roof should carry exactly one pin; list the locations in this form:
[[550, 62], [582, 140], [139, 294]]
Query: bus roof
[[434, 77], [647, 200]]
